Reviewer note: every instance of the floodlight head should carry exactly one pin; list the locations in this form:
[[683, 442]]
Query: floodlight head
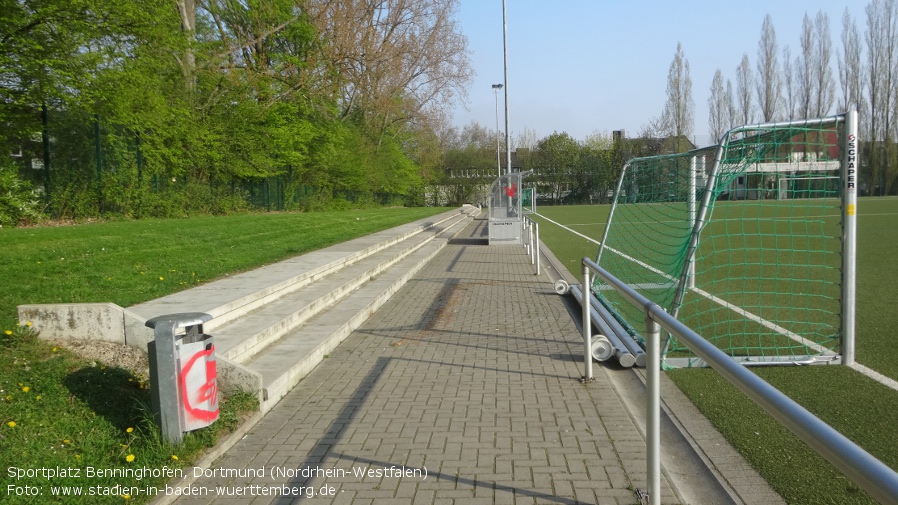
[[497, 86]]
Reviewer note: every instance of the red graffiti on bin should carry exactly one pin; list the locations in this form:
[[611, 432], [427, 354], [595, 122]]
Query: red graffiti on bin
[[206, 393]]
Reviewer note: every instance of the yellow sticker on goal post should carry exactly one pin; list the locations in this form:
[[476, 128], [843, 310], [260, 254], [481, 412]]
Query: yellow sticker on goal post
[[849, 209]]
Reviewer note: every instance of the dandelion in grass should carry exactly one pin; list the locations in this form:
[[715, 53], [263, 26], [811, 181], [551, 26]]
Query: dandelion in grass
[[161, 278], [11, 424], [28, 324], [129, 458], [38, 397], [129, 430], [126, 496], [8, 332], [26, 389], [174, 457]]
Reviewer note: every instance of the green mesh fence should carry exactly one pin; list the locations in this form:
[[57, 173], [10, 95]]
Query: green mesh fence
[[767, 264]]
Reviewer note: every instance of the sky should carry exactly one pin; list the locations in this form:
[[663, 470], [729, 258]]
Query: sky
[[588, 66]]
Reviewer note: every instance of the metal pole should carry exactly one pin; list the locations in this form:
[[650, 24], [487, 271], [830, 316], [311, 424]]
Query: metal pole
[[525, 230], [653, 409], [530, 249], [496, 88], [620, 183], [587, 325], [139, 161], [693, 166], [99, 154], [99, 148], [45, 138], [849, 236], [505, 50], [536, 228]]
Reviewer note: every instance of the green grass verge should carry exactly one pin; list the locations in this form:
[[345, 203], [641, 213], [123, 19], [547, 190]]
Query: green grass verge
[[58, 411], [64, 419], [858, 407], [129, 262], [863, 410]]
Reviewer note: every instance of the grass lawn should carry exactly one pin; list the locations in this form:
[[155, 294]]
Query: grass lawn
[[58, 410], [858, 407]]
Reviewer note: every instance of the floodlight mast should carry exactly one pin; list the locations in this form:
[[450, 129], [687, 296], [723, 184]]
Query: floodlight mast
[[496, 88], [505, 47]]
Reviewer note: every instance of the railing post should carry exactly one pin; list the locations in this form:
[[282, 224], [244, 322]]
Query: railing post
[[526, 228], [653, 409], [536, 246], [587, 325], [530, 241]]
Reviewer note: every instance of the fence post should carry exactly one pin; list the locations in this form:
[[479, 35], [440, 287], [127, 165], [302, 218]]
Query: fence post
[[653, 409], [587, 325], [536, 246]]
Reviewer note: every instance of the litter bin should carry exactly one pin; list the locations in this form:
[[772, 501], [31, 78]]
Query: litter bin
[[183, 377]]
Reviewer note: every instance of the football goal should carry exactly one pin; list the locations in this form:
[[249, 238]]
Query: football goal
[[750, 242]]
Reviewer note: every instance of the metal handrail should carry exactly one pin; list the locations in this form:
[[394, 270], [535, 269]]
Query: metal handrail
[[870, 474], [531, 245]]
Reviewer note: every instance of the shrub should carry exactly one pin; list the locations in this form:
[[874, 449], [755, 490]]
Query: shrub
[[19, 202]]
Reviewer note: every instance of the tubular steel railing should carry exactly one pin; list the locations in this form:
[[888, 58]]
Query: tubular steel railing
[[870, 474]]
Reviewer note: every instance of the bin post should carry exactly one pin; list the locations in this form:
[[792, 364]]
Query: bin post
[[170, 371]]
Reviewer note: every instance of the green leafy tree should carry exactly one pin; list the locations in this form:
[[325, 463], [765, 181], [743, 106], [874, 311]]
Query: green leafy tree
[[557, 162]]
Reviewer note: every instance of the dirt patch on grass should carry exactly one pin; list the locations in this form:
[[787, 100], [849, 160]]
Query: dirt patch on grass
[[129, 358]]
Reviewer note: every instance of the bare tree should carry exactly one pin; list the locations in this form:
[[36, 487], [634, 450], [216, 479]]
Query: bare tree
[[789, 85], [815, 84], [851, 70], [678, 117], [882, 67], [744, 82], [732, 112], [524, 145], [769, 83], [804, 67], [824, 85], [718, 108], [399, 59], [526, 139]]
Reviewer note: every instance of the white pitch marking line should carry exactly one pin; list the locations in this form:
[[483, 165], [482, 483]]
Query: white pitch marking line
[[873, 374]]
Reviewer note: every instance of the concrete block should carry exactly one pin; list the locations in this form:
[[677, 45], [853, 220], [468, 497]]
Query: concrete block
[[75, 321], [233, 377]]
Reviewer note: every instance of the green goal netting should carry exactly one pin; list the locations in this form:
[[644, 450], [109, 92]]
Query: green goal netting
[[743, 242]]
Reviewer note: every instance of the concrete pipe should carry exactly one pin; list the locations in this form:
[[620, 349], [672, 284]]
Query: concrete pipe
[[601, 348], [561, 287]]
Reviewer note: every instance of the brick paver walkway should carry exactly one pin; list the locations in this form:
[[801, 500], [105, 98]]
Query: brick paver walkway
[[462, 389]]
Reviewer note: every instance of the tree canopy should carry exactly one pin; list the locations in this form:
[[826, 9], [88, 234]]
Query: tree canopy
[[335, 95]]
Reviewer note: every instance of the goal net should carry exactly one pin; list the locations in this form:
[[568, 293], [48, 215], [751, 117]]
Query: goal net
[[743, 242]]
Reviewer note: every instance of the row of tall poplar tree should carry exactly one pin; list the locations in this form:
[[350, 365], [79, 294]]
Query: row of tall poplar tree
[[860, 75], [160, 107]]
